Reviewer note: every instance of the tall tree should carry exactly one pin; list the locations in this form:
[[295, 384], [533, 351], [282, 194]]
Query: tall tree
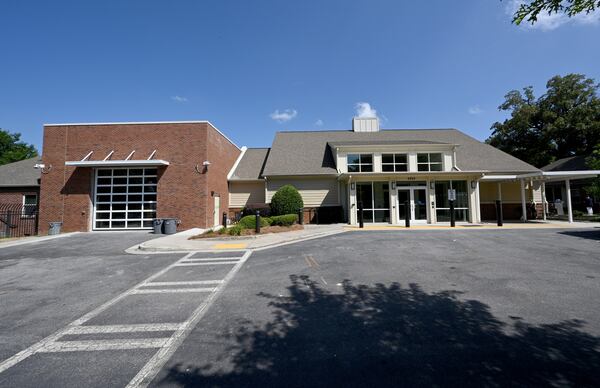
[[565, 121], [12, 149], [529, 10]]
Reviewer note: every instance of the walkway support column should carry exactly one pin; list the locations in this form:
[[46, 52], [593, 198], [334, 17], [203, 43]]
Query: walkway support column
[[544, 202], [523, 203], [569, 207]]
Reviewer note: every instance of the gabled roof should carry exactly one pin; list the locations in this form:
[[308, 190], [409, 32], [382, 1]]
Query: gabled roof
[[309, 153], [251, 165], [572, 163], [20, 173]]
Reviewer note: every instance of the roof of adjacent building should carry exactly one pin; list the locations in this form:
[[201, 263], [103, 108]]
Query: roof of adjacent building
[[572, 163], [20, 173], [309, 152], [251, 165]]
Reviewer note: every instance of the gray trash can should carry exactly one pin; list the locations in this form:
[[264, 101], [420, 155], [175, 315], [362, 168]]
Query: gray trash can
[[170, 225], [157, 224], [54, 228]]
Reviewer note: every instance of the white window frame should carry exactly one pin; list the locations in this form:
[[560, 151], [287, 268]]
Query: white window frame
[[429, 163], [143, 218], [394, 163], [23, 213], [360, 163]]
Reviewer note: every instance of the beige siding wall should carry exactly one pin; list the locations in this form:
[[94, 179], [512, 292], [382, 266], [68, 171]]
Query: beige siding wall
[[246, 193], [315, 192], [511, 192]]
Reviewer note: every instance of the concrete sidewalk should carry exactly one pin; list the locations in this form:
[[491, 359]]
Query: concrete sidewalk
[[180, 242]]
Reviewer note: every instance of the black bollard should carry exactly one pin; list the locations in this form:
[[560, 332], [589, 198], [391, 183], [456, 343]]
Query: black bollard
[[301, 216], [361, 219], [224, 221], [407, 213], [499, 212], [257, 229], [452, 215]]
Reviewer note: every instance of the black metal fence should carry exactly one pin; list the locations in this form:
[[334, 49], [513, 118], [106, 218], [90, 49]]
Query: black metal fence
[[18, 220]]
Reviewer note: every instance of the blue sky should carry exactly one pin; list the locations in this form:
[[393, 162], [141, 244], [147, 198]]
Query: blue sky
[[255, 67]]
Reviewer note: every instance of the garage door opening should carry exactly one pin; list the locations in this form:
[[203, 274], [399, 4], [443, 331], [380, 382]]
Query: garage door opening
[[124, 198]]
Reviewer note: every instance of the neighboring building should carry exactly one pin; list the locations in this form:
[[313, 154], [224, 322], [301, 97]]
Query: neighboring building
[[114, 176], [555, 191], [20, 184], [392, 173]]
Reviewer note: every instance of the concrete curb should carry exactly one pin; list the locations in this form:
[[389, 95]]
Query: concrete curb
[[140, 249], [32, 240]]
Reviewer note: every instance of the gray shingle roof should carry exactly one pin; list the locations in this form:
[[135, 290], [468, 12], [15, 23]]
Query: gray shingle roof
[[308, 152], [20, 173], [251, 165], [572, 163]]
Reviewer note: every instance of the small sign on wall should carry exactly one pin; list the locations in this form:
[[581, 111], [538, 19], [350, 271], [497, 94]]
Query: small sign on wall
[[451, 195]]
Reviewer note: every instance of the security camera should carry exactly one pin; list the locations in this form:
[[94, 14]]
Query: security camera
[[39, 166], [206, 163]]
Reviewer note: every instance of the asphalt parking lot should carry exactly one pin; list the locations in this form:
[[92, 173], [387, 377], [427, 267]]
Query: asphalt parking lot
[[402, 308]]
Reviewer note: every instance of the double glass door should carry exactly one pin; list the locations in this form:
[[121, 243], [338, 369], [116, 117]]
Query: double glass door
[[417, 204]]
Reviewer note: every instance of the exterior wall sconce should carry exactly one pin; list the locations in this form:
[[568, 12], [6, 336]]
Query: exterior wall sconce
[[394, 185], [432, 185], [352, 186], [473, 185], [204, 170]]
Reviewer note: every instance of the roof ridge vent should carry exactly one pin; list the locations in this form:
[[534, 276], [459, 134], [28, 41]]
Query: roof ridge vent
[[365, 124]]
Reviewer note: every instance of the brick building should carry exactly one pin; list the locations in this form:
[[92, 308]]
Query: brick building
[[111, 176], [20, 184]]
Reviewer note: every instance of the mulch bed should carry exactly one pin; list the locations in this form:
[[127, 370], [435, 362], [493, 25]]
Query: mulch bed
[[251, 232]]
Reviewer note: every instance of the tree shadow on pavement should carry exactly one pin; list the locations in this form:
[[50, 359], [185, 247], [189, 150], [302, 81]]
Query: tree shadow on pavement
[[395, 336], [587, 234]]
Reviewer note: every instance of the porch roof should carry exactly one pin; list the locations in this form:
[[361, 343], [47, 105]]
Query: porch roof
[[547, 176]]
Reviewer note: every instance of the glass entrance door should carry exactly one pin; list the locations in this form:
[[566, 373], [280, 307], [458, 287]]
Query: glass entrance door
[[417, 204]]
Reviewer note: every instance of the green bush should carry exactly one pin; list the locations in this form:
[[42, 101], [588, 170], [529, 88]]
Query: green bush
[[249, 222], [285, 220], [235, 230], [286, 200]]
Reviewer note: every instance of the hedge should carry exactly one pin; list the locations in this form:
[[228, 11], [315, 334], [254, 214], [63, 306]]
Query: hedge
[[286, 200], [284, 220], [249, 222]]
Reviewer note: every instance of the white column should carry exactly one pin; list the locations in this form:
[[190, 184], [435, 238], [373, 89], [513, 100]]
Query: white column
[[523, 203], [544, 202], [393, 203], [569, 208]]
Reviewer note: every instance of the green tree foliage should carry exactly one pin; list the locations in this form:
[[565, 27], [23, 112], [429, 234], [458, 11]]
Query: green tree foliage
[[593, 163], [529, 10], [12, 149], [563, 122], [286, 200]]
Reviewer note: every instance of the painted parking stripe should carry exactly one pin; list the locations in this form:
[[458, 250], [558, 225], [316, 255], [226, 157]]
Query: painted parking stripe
[[215, 259], [100, 329], [187, 283], [152, 367], [186, 264], [170, 290], [96, 345]]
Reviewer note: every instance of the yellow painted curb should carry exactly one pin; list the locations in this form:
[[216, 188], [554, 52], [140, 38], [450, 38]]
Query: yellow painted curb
[[467, 227], [230, 246]]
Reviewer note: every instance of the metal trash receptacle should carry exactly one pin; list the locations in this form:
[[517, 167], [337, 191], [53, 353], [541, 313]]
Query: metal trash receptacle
[[157, 224], [54, 228], [170, 225]]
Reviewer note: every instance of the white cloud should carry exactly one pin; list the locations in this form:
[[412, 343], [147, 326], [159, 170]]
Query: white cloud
[[284, 116], [364, 109], [179, 99], [475, 110], [546, 22], [319, 123]]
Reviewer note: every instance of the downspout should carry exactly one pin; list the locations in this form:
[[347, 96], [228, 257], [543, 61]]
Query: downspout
[[454, 166]]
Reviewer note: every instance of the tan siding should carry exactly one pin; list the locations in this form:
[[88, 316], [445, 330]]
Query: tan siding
[[314, 192], [246, 193], [511, 192]]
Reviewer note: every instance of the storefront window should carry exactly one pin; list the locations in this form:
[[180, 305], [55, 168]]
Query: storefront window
[[442, 205], [375, 198]]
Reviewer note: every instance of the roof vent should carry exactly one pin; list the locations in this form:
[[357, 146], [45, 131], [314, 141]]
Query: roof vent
[[365, 124]]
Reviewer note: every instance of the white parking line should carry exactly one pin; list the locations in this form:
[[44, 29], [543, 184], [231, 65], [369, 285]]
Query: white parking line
[[188, 264], [123, 328], [170, 290], [216, 259], [95, 345], [152, 367], [188, 283]]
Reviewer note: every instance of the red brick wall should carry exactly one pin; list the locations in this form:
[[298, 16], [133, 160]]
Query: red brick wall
[[14, 195], [66, 192]]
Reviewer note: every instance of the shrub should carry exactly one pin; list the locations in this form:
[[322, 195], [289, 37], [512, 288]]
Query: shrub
[[235, 230], [249, 222], [286, 200], [250, 210], [285, 220]]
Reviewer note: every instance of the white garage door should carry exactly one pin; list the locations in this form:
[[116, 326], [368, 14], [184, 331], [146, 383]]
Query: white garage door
[[124, 198]]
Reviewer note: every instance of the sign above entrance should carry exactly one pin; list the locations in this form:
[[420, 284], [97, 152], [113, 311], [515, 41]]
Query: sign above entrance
[[451, 194]]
